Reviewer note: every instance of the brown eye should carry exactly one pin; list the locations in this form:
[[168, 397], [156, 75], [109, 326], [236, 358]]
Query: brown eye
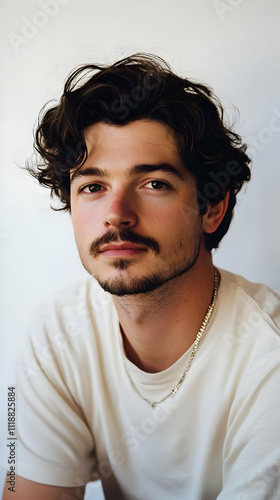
[[92, 188], [157, 184]]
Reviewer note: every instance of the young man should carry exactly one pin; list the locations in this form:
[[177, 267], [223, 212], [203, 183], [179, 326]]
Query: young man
[[167, 387]]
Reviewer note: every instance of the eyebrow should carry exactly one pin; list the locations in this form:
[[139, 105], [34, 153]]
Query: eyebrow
[[163, 167], [135, 170], [87, 172]]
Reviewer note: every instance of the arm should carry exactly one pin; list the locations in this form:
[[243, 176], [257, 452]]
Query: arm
[[27, 490], [55, 445]]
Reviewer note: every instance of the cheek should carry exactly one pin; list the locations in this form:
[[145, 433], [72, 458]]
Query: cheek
[[167, 227], [188, 218], [85, 224], [181, 220]]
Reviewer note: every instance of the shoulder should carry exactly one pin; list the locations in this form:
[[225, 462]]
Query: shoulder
[[67, 328], [81, 297], [256, 300], [248, 355], [248, 324], [73, 309]]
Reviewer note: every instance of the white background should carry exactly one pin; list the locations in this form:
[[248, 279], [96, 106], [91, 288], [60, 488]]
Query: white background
[[233, 45]]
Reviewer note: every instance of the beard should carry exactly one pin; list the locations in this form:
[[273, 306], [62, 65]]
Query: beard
[[131, 285]]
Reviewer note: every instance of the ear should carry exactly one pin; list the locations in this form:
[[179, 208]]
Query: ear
[[214, 215]]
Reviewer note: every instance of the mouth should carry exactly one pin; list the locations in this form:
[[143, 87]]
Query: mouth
[[124, 249]]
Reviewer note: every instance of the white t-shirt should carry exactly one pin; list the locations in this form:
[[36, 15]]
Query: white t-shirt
[[217, 438]]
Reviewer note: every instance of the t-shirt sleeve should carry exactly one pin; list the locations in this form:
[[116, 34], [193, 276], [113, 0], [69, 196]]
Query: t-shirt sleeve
[[251, 469], [55, 443]]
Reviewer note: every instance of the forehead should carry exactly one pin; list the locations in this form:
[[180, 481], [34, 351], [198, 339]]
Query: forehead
[[144, 139]]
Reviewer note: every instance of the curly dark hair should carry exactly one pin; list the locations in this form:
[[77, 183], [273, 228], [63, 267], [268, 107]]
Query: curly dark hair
[[143, 86]]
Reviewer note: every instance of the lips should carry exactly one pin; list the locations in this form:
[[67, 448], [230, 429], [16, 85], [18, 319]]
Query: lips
[[124, 249]]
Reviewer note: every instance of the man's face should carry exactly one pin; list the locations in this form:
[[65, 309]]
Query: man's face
[[134, 209]]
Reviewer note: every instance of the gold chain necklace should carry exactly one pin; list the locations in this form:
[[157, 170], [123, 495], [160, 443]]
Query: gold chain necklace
[[196, 343]]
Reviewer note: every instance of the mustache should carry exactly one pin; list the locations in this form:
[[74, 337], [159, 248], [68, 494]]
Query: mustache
[[122, 235]]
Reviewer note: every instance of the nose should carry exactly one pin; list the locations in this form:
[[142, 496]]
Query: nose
[[121, 212]]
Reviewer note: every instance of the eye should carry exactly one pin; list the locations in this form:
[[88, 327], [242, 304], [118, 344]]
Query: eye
[[91, 188], [157, 185]]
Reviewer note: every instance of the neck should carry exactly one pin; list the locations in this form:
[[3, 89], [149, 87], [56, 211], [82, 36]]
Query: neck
[[159, 327]]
